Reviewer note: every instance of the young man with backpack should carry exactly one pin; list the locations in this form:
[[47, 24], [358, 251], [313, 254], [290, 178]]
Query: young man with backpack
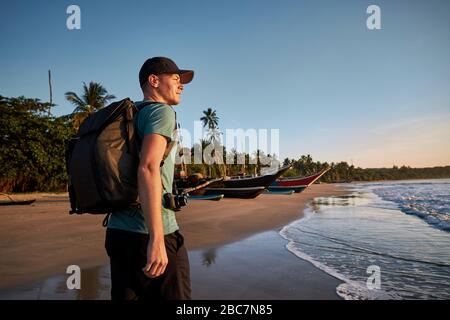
[[147, 255]]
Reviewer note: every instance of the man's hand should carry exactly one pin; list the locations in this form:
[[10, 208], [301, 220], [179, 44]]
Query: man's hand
[[156, 258]]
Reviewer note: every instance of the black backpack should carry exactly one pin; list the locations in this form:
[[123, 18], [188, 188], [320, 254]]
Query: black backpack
[[102, 160]]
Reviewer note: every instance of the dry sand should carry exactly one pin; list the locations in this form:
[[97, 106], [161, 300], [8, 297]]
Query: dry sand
[[214, 223], [41, 240]]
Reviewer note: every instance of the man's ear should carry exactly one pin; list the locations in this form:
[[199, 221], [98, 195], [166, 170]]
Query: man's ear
[[153, 81]]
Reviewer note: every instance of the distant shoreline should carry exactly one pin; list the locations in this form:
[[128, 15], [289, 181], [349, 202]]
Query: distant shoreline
[[395, 180], [44, 194]]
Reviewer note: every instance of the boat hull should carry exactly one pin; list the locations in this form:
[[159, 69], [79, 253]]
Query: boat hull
[[241, 193], [299, 181], [296, 189], [279, 192], [212, 197], [262, 181]]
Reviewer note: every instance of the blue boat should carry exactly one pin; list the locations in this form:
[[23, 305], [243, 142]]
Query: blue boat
[[285, 192], [213, 197]]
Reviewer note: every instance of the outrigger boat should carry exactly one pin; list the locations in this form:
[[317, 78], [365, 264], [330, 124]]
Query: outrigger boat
[[244, 188], [12, 202], [200, 188], [297, 184], [16, 203]]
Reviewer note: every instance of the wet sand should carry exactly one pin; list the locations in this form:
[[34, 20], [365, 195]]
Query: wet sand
[[39, 241], [257, 267]]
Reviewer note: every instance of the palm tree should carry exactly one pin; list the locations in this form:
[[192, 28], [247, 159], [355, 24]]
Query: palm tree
[[211, 120], [94, 98]]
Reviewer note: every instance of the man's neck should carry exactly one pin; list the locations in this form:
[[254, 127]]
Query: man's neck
[[155, 98]]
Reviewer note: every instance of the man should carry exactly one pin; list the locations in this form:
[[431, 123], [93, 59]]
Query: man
[[147, 255]]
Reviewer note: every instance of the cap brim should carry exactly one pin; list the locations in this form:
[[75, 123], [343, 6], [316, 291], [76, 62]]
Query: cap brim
[[186, 76]]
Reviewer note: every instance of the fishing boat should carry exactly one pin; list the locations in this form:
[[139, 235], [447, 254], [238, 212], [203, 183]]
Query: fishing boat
[[243, 188], [235, 187], [16, 203], [250, 182], [298, 184]]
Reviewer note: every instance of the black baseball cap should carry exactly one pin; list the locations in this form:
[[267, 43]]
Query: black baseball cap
[[160, 65]]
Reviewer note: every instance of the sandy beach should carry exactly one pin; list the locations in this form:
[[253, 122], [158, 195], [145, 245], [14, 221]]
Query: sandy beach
[[39, 241]]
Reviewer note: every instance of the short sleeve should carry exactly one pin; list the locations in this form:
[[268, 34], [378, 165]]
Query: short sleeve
[[159, 119]]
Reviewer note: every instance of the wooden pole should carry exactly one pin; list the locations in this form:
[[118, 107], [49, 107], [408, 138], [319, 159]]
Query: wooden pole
[[50, 87]]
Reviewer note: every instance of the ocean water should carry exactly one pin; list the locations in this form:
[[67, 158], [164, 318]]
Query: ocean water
[[385, 240]]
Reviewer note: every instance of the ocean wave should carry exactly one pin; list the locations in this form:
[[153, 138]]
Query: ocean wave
[[349, 289], [343, 239], [432, 205], [360, 249]]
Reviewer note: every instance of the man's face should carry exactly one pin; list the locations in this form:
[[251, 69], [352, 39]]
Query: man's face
[[170, 88]]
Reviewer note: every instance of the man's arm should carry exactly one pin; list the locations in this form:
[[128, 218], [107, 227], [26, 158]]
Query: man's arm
[[150, 195]]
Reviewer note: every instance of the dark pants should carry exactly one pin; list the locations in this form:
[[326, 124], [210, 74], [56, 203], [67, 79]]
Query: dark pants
[[128, 255]]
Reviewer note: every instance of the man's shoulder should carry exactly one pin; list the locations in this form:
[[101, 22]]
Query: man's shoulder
[[155, 110], [156, 118]]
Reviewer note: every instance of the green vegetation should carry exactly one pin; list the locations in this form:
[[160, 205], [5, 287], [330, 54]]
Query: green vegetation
[[33, 147], [33, 143]]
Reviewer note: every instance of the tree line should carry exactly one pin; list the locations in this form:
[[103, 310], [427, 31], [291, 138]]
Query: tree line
[[343, 172], [33, 143]]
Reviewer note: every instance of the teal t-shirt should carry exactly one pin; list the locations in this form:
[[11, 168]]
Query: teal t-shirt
[[156, 118]]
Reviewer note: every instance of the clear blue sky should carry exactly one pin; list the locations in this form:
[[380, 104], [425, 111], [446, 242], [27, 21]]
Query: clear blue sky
[[335, 89]]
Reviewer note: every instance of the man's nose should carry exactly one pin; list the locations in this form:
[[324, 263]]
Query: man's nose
[[181, 87]]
